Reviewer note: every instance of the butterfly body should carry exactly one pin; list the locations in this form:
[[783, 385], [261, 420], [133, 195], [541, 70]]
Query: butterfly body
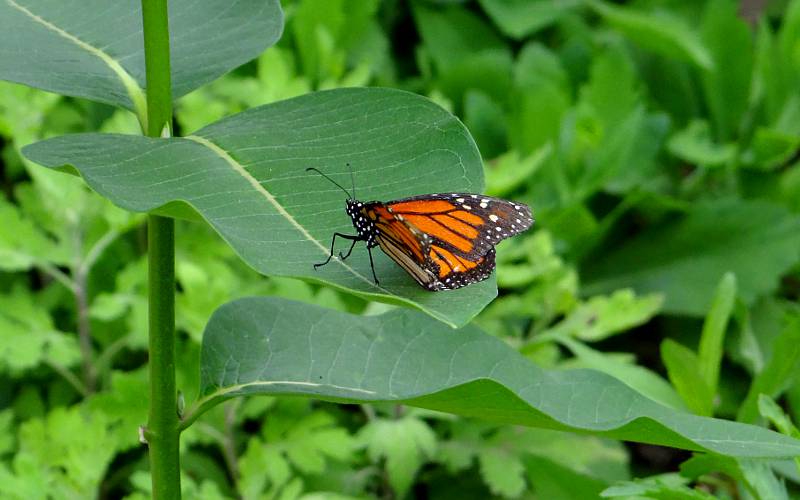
[[444, 241]]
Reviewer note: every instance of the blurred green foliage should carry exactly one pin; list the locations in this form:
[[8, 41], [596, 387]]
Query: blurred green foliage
[[657, 141]]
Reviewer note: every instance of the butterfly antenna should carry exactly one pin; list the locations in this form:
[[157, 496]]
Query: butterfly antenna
[[333, 181], [352, 180]]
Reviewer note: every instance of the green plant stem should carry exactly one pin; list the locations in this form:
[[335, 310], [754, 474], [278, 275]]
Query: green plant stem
[[162, 428]]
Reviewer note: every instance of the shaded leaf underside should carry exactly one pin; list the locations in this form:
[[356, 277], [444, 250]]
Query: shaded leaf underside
[[279, 347]]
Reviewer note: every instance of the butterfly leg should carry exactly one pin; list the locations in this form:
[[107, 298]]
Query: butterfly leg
[[371, 264], [352, 245], [333, 243]]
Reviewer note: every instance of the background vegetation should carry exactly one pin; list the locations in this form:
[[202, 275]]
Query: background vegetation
[[657, 142]]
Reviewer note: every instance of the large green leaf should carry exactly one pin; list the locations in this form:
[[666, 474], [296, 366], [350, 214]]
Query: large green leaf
[[95, 49], [246, 176], [262, 345], [685, 259]]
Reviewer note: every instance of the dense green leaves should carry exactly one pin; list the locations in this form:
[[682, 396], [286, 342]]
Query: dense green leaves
[[246, 176], [623, 124], [76, 38], [272, 346], [685, 258]]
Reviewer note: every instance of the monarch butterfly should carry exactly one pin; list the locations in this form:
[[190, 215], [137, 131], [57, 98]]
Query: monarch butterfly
[[444, 241]]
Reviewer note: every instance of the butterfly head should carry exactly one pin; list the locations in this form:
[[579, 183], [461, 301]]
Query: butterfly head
[[365, 227]]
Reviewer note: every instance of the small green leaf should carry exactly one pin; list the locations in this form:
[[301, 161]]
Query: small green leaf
[[541, 97], [521, 18], [29, 334], [246, 176], [453, 33], [662, 487], [56, 49], [502, 472], [661, 33], [685, 258], [684, 373], [23, 244], [694, 145], [404, 443], [274, 346], [602, 316], [511, 170], [709, 352], [780, 372], [762, 480], [485, 119], [770, 410], [727, 83]]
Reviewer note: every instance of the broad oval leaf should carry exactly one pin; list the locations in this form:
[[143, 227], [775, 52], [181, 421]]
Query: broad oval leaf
[[94, 48], [246, 176], [273, 346]]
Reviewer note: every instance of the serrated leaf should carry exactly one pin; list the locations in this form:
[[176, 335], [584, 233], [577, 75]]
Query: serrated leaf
[[684, 259], [28, 333], [274, 346], [246, 176], [67, 453], [50, 45], [502, 472], [405, 444], [602, 316], [23, 244], [661, 487]]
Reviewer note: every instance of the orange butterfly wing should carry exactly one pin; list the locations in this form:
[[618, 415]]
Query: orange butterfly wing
[[447, 241]]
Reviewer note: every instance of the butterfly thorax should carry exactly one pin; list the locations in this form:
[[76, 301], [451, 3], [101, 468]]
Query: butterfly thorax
[[363, 221]]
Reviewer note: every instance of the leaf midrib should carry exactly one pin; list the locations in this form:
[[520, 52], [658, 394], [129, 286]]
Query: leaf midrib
[[135, 92], [240, 170]]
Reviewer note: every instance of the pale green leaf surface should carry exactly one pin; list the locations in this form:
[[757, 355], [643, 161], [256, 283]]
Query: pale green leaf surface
[[603, 316], [695, 145], [712, 338], [95, 48], [770, 410], [246, 176], [274, 346], [684, 373], [685, 258]]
